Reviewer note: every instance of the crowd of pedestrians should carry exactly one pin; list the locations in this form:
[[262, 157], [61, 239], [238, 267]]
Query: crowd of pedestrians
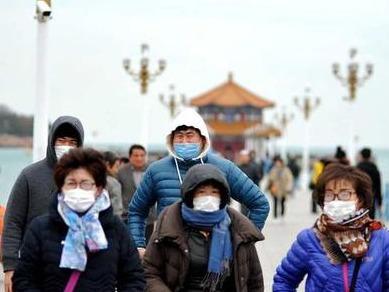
[[81, 220]]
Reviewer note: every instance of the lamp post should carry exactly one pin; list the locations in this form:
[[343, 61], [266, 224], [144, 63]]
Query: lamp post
[[173, 102], [144, 76], [306, 105], [41, 112], [283, 120], [352, 81]]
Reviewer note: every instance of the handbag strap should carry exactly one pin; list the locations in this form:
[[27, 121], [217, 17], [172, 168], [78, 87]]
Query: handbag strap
[[72, 281], [358, 262]]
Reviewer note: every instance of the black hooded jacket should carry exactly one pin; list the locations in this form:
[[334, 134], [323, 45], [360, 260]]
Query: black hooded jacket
[[31, 194], [38, 269]]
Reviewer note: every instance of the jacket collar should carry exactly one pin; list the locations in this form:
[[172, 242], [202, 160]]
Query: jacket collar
[[171, 227]]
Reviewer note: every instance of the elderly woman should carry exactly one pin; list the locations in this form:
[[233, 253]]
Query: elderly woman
[[345, 250], [202, 245], [79, 245]]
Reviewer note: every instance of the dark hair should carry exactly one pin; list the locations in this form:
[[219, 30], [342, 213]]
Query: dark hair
[[224, 196], [124, 160], [366, 153], [278, 158], [110, 158], [136, 147], [67, 130], [340, 153], [87, 158], [337, 171]]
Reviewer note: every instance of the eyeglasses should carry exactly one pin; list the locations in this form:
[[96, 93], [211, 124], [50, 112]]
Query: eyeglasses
[[85, 185], [344, 195]]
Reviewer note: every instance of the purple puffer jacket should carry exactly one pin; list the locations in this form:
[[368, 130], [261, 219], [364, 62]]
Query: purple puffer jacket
[[308, 257]]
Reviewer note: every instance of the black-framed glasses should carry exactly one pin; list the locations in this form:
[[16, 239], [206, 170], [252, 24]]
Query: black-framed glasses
[[85, 185], [344, 195]]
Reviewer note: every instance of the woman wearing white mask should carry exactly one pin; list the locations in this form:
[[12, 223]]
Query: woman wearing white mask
[[346, 250], [200, 244], [80, 245]]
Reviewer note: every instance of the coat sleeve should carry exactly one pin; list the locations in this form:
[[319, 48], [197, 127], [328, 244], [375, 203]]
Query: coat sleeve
[[28, 273], [293, 267], [15, 222], [138, 209], [255, 280], [154, 267], [248, 193], [385, 268], [130, 272]]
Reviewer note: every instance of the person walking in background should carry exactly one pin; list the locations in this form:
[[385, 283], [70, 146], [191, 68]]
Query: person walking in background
[[250, 168], [295, 170], [129, 177], [346, 250], [188, 144], [200, 244], [114, 188], [370, 168], [80, 245], [280, 184], [32, 191], [317, 169], [341, 156]]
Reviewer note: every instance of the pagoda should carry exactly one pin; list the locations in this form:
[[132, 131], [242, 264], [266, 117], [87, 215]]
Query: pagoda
[[234, 117]]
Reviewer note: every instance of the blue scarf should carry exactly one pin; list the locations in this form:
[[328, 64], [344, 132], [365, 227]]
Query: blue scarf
[[220, 254], [84, 231]]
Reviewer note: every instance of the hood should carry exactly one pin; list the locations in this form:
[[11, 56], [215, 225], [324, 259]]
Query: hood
[[190, 118], [72, 121], [199, 174]]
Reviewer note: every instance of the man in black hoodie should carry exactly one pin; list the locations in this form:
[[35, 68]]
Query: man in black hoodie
[[31, 193], [370, 168]]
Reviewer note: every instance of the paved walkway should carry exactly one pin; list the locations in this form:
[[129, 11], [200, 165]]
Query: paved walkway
[[281, 234]]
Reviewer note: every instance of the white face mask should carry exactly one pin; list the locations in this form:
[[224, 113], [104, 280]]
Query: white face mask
[[61, 150], [79, 200], [340, 210], [206, 203]]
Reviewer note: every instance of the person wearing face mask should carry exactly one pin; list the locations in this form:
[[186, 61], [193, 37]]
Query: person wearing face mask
[[79, 245], [188, 144], [114, 188], [31, 193], [200, 244], [345, 250]]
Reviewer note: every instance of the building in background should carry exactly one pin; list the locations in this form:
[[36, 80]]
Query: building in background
[[234, 116]]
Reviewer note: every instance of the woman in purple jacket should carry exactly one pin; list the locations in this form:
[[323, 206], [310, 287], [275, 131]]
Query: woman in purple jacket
[[345, 250]]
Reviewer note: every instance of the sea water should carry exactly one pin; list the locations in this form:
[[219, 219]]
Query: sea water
[[13, 160]]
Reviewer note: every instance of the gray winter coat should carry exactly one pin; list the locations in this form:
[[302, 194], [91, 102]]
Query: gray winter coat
[[31, 195]]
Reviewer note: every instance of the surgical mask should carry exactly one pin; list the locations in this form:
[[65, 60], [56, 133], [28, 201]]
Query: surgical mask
[[206, 203], [187, 151], [60, 150], [340, 211], [79, 200]]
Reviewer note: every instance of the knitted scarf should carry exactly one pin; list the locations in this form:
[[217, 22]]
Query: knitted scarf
[[84, 232], [220, 254], [348, 240]]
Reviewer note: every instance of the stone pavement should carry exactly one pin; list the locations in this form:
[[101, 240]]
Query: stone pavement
[[280, 234]]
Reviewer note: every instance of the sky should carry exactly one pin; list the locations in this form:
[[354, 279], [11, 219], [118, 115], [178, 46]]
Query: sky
[[274, 48]]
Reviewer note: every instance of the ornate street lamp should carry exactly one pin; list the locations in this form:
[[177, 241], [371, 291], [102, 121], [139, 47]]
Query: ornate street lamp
[[144, 76], [173, 102], [283, 119], [352, 80], [306, 105]]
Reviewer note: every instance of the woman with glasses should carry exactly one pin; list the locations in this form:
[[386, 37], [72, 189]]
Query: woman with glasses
[[79, 245], [345, 250]]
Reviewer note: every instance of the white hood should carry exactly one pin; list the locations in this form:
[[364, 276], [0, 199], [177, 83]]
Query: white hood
[[190, 118]]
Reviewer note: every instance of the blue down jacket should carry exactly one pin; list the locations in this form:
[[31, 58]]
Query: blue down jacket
[[161, 184], [308, 257]]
